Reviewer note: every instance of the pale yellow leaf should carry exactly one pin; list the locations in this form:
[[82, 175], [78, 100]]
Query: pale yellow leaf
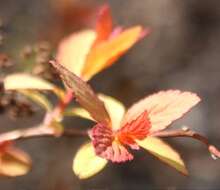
[[164, 152], [80, 112], [38, 98], [14, 162], [73, 50], [115, 109], [86, 163], [24, 81]]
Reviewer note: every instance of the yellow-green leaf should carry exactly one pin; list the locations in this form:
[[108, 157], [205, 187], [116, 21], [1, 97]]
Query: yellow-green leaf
[[23, 81], [80, 112], [86, 163], [115, 109], [164, 152], [38, 98], [14, 162]]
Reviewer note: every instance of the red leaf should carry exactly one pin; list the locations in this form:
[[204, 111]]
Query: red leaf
[[137, 129], [84, 94], [103, 24], [163, 108], [106, 146]]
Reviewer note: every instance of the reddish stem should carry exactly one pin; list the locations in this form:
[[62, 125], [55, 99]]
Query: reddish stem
[[57, 113], [185, 132]]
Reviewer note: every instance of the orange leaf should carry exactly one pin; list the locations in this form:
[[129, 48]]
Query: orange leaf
[[84, 94], [73, 50], [14, 162], [103, 24], [164, 152], [163, 108], [104, 54]]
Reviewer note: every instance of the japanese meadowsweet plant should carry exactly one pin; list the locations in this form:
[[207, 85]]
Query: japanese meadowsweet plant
[[117, 131]]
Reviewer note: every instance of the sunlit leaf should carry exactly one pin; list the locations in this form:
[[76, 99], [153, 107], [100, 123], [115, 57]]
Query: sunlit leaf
[[23, 81], [107, 52], [73, 50], [163, 108], [86, 163], [38, 98], [103, 24], [80, 112], [164, 152], [84, 94], [14, 162], [115, 109]]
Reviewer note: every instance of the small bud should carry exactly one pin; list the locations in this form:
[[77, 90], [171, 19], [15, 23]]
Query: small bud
[[214, 157], [184, 128]]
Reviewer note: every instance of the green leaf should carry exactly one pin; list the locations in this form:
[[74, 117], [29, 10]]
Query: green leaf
[[86, 164]]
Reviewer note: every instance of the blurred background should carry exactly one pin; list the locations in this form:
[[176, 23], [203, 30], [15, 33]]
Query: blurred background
[[182, 52]]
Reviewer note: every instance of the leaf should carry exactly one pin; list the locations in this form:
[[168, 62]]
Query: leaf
[[80, 112], [163, 108], [164, 152], [73, 50], [14, 162], [107, 145], [84, 94], [86, 163], [23, 81], [103, 24], [107, 52], [136, 129], [38, 98], [115, 109]]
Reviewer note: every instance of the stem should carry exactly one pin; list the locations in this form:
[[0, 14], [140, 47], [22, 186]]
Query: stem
[[57, 113], [46, 129], [36, 132], [185, 132]]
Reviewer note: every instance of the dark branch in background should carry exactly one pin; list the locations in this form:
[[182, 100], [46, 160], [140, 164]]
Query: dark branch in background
[[186, 132]]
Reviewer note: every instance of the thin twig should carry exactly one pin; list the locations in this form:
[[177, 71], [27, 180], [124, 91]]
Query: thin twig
[[185, 132], [36, 132]]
